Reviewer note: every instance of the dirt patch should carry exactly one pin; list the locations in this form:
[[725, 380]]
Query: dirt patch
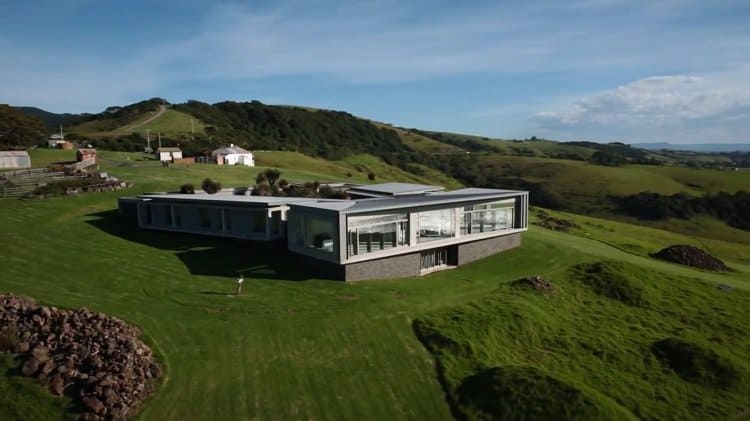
[[536, 283], [94, 358], [557, 224], [690, 256], [695, 364]]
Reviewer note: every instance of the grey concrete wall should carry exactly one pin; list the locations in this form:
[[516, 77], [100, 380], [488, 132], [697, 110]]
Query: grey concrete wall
[[385, 268], [469, 252]]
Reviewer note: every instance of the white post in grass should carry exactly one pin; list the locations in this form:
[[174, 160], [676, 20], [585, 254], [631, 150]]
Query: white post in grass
[[240, 280]]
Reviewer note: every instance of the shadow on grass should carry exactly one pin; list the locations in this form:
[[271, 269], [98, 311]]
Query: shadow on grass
[[212, 256]]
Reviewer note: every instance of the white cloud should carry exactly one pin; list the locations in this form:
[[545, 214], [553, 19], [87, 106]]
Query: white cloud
[[708, 107]]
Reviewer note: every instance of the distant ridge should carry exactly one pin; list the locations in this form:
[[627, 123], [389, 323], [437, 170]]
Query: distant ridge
[[52, 121], [695, 147]]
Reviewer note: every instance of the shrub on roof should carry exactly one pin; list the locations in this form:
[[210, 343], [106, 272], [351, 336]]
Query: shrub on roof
[[211, 186]]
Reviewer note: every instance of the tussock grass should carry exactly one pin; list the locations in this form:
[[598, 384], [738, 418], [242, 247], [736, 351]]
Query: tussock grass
[[525, 393], [695, 363], [607, 279], [583, 344]]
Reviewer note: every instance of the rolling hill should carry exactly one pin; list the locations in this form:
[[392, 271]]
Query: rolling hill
[[417, 348]]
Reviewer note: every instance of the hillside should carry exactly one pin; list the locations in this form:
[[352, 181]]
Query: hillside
[[19, 129], [52, 121], [350, 350], [582, 177]]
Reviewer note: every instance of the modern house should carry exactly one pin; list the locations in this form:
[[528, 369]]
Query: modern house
[[15, 159], [402, 230], [168, 154], [233, 155]]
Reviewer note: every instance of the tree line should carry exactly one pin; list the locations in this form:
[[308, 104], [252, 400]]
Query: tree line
[[734, 209]]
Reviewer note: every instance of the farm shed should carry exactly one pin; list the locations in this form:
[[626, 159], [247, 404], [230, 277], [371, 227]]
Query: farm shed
[[15, 159]]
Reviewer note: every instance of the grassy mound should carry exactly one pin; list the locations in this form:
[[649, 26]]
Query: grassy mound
[[524, 393], [696, 364], [610, 280]]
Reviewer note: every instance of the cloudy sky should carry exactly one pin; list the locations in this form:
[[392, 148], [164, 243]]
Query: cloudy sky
[[598, 70]]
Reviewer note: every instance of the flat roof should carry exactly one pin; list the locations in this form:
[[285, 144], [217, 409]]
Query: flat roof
[[395, 189], [410, 201], [227, 198], [14, 153], [345, 205]]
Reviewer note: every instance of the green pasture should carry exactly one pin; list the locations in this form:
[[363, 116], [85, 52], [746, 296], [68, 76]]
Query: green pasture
[[294, 347]]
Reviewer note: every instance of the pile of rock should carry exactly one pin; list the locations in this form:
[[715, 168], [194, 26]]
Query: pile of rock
[[89, 356], [536, 282], [557, 224], [690, 256]]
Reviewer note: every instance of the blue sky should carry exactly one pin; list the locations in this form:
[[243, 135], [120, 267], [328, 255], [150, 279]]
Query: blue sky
[[602, 70]]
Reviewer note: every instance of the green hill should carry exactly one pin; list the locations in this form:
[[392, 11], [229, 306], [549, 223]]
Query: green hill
[[294, 347]]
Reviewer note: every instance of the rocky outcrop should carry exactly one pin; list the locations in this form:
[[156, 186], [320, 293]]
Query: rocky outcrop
[[537, 283], [690, 256], [94, 358], [556, 224]]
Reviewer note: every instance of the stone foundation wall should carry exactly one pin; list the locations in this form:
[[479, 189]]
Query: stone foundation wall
[[469, 252], [388, 267], [406, 265]]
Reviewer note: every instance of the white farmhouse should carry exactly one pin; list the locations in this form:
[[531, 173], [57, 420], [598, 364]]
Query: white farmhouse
[[233, 155]]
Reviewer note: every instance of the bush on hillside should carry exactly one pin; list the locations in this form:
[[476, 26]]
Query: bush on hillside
[[695, 364], [605, 278], [524, 393]]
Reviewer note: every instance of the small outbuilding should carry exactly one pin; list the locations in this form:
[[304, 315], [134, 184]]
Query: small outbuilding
[[15, 159], [233, 155], [168, 154], [85, 154]]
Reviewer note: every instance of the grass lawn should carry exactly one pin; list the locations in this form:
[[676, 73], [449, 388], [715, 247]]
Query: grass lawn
[[642, 239], [294, 347]]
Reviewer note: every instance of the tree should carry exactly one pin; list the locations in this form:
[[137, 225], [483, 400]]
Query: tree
[[261, 178], [608, 158], [272, 175], [283, 184], [211, 186], [19, 129]]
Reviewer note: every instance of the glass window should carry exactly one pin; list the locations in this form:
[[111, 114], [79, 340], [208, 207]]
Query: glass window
[[367, 234], [319, 233], [487, 217], [204, 214], [436, 225], [259, 222]]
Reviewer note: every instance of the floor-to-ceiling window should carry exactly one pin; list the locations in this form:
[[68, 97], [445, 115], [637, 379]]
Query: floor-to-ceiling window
[[367, 234], [319, 233], [436, 225], [487, 217]]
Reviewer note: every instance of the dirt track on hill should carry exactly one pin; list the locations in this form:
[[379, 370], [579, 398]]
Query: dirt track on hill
[[130, 127]]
